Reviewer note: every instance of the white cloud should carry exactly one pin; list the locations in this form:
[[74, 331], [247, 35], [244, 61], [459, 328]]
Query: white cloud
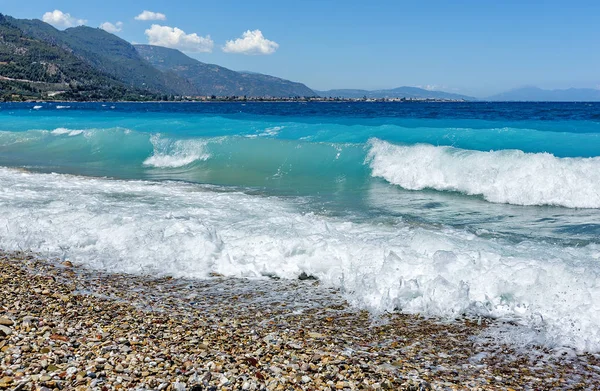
[[175, 38], [112, 28], [62, 19], [251, 42], [149, 15], [433, 87]]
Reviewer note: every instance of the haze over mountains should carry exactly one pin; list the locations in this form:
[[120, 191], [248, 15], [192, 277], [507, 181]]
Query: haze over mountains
[[83, 63]]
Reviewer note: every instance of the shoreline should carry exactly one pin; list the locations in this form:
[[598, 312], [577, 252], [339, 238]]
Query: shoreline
[[65, 326]]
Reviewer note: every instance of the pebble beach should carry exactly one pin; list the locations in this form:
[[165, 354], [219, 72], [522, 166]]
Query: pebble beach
[[66, 327]]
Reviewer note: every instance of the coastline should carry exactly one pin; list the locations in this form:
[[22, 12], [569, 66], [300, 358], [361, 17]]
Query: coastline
[[65, 326]]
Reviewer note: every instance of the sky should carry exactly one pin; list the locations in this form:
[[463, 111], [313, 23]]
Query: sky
[[477, 48]]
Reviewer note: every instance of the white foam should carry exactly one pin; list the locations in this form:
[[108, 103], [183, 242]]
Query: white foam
[[70, 132], [271, 132], [176, 153], [37, 107], [186, 230], [62, 107], [507, 176]]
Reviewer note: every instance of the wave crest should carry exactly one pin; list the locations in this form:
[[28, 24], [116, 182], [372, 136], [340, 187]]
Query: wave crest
[[508, 176], [176, 153]]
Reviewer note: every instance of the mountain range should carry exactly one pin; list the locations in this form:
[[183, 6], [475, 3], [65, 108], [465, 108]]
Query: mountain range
[[89, 63], [210, 79], [400, 92]]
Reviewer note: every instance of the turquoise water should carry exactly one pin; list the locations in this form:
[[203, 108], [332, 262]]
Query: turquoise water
[[444, 209]]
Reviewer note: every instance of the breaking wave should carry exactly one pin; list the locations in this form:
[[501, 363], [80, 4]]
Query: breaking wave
[[187, 230], [176, 153], [507, 176]]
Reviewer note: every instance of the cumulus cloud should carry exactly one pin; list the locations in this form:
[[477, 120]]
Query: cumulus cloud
[[175, 38], [112, 28], [149, 15], [62, 19], [251, 42]]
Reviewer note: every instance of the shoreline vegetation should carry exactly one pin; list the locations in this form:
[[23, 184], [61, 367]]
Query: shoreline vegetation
[[63, 326]]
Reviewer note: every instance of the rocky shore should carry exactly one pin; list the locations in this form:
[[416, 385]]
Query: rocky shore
[[65, 327]]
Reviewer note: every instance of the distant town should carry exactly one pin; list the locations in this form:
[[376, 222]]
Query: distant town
[[56, 97], [308, 99]]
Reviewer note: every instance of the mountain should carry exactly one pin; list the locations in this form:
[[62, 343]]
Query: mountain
[[107, 53], [31, 67], [210, 79], [538, 94], [400, 92]]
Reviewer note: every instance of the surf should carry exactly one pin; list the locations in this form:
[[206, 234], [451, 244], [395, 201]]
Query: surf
[[500, 176], [191, 231], [507, 176]]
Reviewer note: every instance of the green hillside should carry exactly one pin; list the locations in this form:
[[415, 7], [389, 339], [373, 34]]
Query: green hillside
[[107, 53], [38, 61], [33, 68], [210, 79]]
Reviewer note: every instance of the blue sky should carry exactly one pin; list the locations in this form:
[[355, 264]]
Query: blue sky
[[472, 47]]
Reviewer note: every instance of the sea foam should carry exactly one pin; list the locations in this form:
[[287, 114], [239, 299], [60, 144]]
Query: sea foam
[[70, 132], [176, 153], [507, 176], [186, 230]]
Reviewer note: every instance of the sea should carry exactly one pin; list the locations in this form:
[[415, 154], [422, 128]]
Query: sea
[[449, 209]]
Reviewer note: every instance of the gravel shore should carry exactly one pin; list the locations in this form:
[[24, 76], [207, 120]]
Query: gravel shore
[[67, 327]]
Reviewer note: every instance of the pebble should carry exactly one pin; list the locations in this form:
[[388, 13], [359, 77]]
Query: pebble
[[142, 333], [4, 321], [5, 331]]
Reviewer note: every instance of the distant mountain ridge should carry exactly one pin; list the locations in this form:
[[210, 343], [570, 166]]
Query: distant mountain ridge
[[532, 94], [111, 62], [210, 79], [400, 92]]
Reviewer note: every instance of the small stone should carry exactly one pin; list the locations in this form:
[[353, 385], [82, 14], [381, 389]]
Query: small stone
[[5, 331], [28, 321], [57, 337], [4, 321], [67, 264], [178, 386], [6, 380], [52, 368]]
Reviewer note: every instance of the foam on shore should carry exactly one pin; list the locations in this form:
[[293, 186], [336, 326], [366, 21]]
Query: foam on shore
[[187, 230]]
